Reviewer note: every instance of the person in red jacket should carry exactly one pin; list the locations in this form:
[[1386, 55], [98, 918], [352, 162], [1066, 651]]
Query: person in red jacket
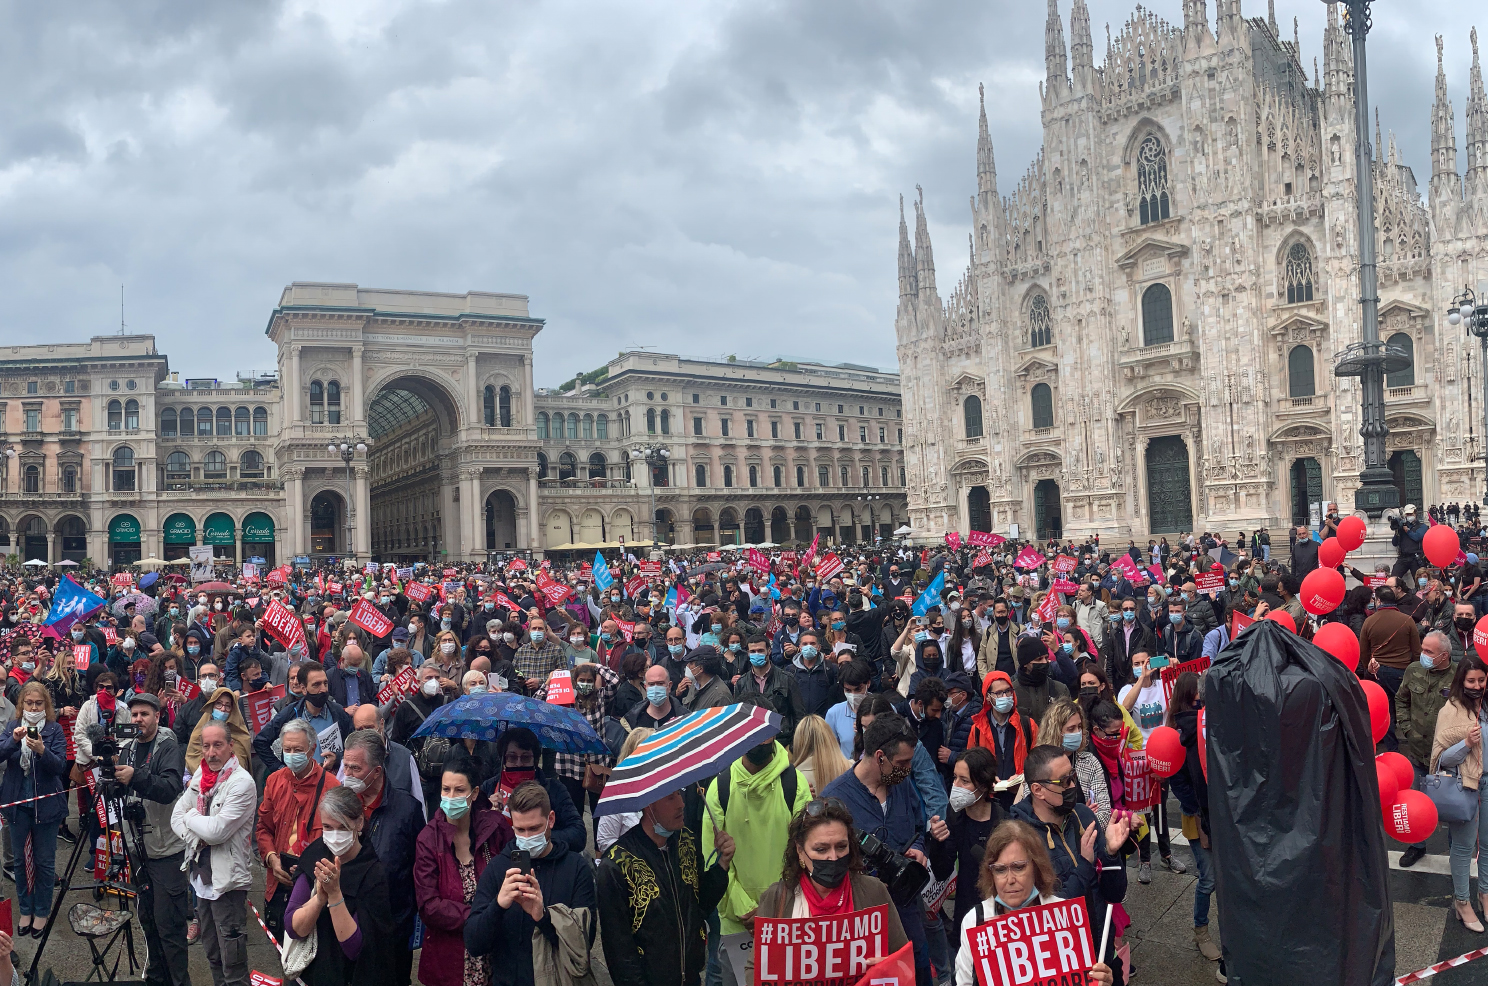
[[998, 727], [453, 850], [289, 817]]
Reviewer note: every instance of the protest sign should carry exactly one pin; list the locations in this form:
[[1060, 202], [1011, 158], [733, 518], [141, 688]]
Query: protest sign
[[417, 591], [953, 540], [1063, 565], [714, 556], [261, 706], [370, 618], [982, 558], [334, 588], [1065, 586], [505, 602], [825, 951], [1143, 787], [250, 571], [280, 623], [985, 539], [634, 585], [829, 566], [1172, 671], [626, 629], [1047, 608], [397, 687], [110, 635], [553, 591], [1043, 945], [560, 688], [1375, 581], [188, 689], [1238, 621], [650, 568], [201, 562], [278, 576], [1029, 557], [758, 560], [123, 580], [82, 656], [1210, 581]]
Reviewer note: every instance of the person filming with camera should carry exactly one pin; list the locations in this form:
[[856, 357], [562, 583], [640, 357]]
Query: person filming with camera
[[149, 772], [34, 750]]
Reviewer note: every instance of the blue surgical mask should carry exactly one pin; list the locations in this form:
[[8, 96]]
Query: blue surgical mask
[[1115, 617], [676, 649], [1422, 582], [809, 652], [758, 660], [1003, 704], [537, 636], [921, 636], [656, 694], [219, 715], [839, 624], [295, 760], [1031, 898], [717, 628], [1426, 661], [1067, 647], [1062, 622], [1072, 741], [193, 649], [1185, 597], [606, 636], [1176, 619], [1129, 615], [534, 844], [735, 647], [1234, 583], [454, 808], [477, 689]]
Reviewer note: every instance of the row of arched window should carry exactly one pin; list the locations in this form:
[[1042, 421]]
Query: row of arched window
[[325, 402], [214, 465], [32, 480], [568, 466], [186, 422], [561, 426], [497, 409]]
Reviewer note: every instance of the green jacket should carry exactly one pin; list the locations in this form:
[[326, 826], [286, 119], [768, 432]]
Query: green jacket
[[757, 818], [1422, 694]]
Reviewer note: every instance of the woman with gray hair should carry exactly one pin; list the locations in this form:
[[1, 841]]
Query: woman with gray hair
[[341, 897], [289, 815]]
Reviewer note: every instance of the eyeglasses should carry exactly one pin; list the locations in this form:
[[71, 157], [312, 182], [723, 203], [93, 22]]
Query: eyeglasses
[[1059, 784], [816, 806], [1017, 868]]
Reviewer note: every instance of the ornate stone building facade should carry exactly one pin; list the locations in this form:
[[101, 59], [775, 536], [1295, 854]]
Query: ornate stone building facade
[[1143, 339]]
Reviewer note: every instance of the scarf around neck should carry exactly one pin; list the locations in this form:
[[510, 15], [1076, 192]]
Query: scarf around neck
[[833, 903]]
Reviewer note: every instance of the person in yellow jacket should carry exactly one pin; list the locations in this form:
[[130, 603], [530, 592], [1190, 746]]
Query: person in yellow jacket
[[753, 801]]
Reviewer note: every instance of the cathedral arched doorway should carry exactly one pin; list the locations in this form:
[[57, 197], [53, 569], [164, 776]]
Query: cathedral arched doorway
[[979, 508], [501, 521], [1405, 467], [1048, 515], [412, 422], [1169, 495], [1307, 489]]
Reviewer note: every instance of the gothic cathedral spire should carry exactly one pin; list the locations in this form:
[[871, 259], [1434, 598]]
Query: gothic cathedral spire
[[1477, 122], [907, 286], [1056, 60], [1082, 49], [1443, 134], [924, 257], [986, 163]]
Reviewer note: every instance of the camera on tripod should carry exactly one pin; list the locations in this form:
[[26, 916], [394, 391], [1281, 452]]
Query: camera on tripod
[[105, 738], [904, 877]]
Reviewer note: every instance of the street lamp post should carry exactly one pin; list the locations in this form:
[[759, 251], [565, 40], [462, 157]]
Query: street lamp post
[[347, 449], [1368, 359], [654, 456], [1467, 312]]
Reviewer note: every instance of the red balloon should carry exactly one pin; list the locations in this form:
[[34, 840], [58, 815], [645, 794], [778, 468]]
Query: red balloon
[[1284, 618], [1322, 591], [1480, 638], [1441, 546], [1337, 639], [1331, 553], [1405, 774], [1411, 817], [1165, 752], [1379, 709], [1389, 784], [1351, 531]]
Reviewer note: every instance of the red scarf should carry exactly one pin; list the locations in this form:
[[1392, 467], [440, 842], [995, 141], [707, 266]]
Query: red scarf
[[1108, 752], [835, 902], [106, 700], [209, 779]]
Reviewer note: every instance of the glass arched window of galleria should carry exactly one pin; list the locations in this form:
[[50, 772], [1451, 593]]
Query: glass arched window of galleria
[[1152, 180], [1298, 274], [1040, 322]]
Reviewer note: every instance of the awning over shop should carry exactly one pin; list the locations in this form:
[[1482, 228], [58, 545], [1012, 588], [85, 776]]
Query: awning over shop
[[258, 528], [180, 529], [124, 529], [219, 529]]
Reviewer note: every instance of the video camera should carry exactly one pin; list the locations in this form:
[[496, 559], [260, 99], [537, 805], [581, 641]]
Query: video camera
[[105, 738], [904, 877]]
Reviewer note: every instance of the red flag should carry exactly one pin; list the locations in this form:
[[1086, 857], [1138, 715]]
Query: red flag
[[517, 565], [981, 559], [896, 970], [953, 540], [810, 556], [985, 539]]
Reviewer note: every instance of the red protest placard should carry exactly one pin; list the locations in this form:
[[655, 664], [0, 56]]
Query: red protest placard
[[82, 656], [123, 579], [450, 572], [560, 689], [1047, 608], [417, 591], [1209, 581], [1238, 621], [953, 540], [634, 585], [280, 623], [504, 601], [334, 588], [517, 565], [1064, 564], [985, 539], [714, 556], [553, 591], [396, 688], [829, 566], [1065, 586], [758, 561], [982, 558], [278, 576], [1143, 787], [650, 568], [1044, 945], [586, 571], [110, 635], [66, 722], [628, 629], [188, 689], [1029, 557], [1172, 671], [261, 706], [801, 951], [1375, 581], [370, 618]]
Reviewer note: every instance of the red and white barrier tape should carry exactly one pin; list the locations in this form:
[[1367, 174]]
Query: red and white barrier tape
[[1431, 970], [24, 801], [270, 936]]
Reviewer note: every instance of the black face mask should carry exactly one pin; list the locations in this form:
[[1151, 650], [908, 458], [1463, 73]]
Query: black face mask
[[760, 755], [792, 621], [1033, 674], [1474, 694], [317, 700], [1071, 797], [1465, 624], [830, 872], [1089, 691], [931, 662]]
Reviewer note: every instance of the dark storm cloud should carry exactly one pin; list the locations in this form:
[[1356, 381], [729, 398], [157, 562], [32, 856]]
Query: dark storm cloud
[[702, 178]]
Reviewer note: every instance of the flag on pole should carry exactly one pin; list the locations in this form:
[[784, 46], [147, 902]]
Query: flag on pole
[[602, 577]]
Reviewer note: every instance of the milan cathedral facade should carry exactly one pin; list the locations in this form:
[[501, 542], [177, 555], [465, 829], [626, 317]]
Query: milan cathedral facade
[[1143, 340]]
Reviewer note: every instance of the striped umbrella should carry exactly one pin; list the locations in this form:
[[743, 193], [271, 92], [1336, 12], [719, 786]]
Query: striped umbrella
[[701, 745]]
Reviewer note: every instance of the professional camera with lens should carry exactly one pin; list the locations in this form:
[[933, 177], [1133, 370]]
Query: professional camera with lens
[[105, 740], [904, 877]]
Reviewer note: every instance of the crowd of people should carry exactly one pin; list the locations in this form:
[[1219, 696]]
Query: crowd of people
[[957, 726]]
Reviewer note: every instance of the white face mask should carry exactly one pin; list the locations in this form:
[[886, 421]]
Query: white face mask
[[855, 699], [354, 784], [338, 840], [962, 798], [34, 718], [431, 687], [447, 647], [208, 684]]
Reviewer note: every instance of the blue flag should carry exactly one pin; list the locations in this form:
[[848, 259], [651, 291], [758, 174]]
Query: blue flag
[[71, 603], [671, 598], [931, 595], [774, 589], [602, 578]]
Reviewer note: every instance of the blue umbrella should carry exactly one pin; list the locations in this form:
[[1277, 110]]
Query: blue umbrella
[[483, 717]]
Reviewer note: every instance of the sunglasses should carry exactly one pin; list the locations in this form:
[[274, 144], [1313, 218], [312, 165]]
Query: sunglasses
[[817, 806]]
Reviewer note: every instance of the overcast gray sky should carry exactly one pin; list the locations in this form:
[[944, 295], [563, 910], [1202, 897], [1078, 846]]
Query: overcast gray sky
[[705, 178]]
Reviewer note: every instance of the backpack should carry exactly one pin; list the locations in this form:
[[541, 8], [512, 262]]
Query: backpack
[[789, 784], [430, 757]]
